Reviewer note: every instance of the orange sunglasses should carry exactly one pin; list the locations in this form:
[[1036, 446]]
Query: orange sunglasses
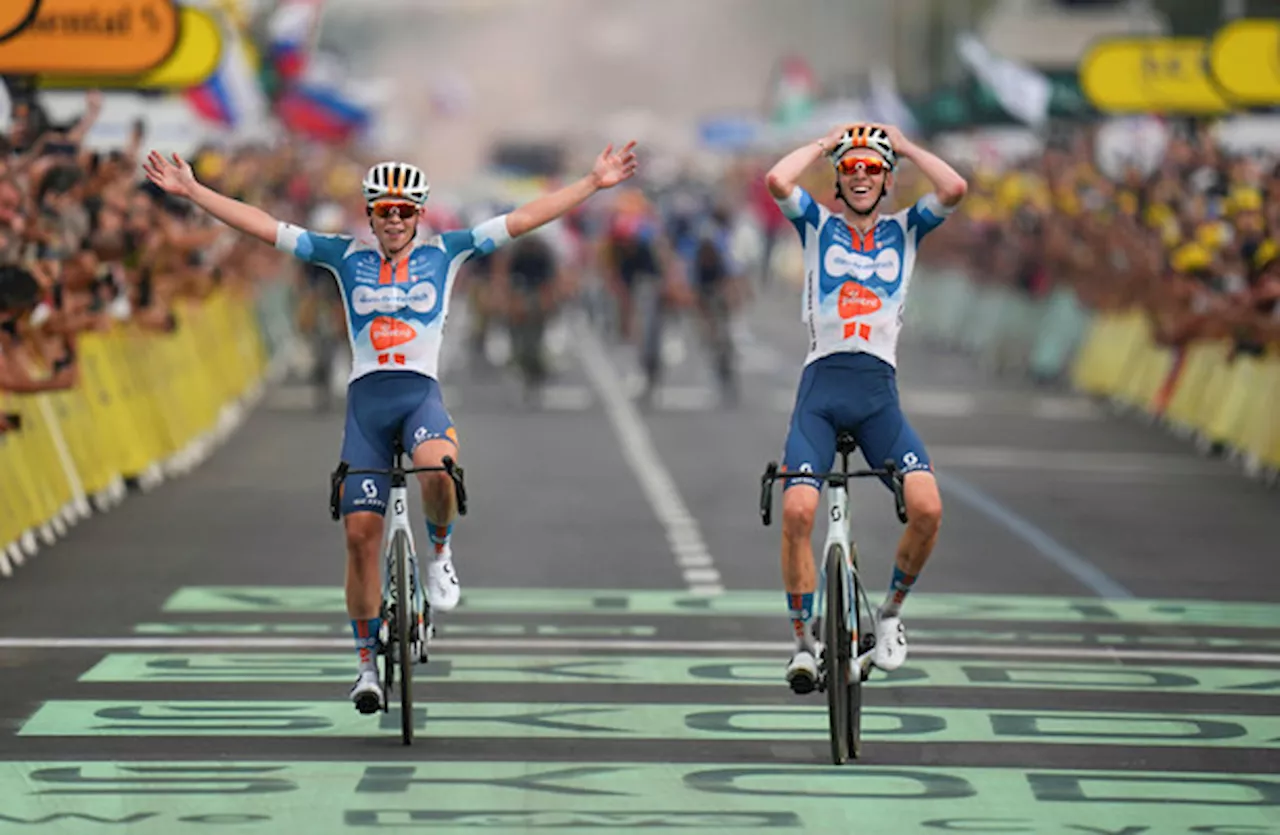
[[404, 211], [871, 165]]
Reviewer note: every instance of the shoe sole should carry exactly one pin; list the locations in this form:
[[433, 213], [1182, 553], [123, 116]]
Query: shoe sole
[[368, 702]]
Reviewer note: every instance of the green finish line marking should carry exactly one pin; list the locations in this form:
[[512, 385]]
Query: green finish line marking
[[264, 667], [923, 634], [748, 603], [668, 721], [158, 798], [447, 630]]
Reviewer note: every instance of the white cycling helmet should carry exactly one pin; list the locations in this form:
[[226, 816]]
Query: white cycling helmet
[[865, 136], [396, 179]]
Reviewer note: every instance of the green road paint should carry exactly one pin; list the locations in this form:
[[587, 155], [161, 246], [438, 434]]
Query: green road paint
[[156, 798], [1021, 638], [673, 670], [765, 723], [922, 634], [448, 630], [749, 603]]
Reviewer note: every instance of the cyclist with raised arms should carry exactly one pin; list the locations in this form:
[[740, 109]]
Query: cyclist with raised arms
[[396, 297], [858, 267]]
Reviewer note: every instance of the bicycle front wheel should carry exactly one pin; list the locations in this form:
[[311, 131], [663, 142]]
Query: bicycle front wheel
[[404, 626], [838, 653]]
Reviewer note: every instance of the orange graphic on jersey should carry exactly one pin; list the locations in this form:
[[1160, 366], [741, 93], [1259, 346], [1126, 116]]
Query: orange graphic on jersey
[[856, 300], [387, 333]]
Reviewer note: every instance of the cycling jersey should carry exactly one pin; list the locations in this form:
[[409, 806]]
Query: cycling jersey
[[395, 312], [855, 285]]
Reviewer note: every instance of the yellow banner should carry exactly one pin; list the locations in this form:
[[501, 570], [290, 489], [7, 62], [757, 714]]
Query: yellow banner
[[93, 37], [192, 61], [1151, 75], [1244, 58], [15, 15]]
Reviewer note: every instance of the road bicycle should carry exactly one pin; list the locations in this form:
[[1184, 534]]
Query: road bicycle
[[845, 622], [406, 629]]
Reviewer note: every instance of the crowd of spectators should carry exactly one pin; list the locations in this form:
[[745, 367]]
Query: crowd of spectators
[[1192, 242], [87, 242]]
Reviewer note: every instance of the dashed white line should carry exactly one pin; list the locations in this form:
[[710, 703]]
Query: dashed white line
[[683, 532]]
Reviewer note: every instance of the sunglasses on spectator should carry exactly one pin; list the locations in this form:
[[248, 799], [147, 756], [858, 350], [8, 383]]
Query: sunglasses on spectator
[[849, 165], [404, 211]]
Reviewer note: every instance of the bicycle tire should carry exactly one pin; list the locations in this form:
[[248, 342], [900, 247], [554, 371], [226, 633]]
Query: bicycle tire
[[836, 649], [855, 678], [404, 633]]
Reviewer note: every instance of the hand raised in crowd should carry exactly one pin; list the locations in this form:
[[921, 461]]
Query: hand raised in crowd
[[175, 177]]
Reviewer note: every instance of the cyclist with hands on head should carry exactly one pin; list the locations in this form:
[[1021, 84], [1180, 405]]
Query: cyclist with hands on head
[[858, 266], [396, 296]]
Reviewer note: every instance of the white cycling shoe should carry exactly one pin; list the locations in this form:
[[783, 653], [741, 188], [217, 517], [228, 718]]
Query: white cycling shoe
[[366, 695], [443, 591], [891, 644], [802, 672]]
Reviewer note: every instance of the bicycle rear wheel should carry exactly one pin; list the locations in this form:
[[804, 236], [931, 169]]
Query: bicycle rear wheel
[[404, 628], [837, 652]]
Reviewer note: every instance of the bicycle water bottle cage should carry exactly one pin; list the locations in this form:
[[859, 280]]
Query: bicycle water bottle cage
[[335, 489]]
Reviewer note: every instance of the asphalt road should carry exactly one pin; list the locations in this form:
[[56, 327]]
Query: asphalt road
[[1095, 646]]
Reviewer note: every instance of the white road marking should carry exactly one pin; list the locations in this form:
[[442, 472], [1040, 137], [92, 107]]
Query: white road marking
[[683, 532]]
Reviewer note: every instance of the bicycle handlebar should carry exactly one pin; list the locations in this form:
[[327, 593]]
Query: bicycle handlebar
[[834, 479], [454, 472]]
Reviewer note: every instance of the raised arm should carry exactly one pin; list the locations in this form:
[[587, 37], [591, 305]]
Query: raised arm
[[785, 174], [176, 178], [947, 182], [610, 169]]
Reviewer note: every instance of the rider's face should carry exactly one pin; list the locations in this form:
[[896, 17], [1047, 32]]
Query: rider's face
[[863, 176], [394, 223]]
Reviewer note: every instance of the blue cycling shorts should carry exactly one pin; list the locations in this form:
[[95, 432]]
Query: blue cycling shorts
[[851, 392], [380, 407]]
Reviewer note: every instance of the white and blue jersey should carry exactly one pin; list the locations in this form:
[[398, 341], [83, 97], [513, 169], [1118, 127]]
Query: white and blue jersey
[[856, 285], [395, 312]]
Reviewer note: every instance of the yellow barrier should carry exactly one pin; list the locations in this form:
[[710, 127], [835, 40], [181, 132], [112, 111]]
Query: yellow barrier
[[1234, 402], [143, 399]]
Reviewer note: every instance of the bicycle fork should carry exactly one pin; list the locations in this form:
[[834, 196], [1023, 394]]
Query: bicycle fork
[[399, 521]]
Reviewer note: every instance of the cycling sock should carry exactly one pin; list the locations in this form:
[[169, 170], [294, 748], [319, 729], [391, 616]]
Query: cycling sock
[[801, 608], [899, 588], [366, 635], [439, 535]]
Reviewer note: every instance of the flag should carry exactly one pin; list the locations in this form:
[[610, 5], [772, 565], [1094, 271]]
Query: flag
[[1021, 91], [232, 97], [324, 103], [291, 33]]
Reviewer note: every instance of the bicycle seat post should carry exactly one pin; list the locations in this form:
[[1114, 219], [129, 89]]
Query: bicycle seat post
[[397, 465], [845, 445]]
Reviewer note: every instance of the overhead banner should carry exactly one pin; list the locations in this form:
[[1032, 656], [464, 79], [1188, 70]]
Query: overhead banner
[[92, 37], [1244, 59], [15, 15], [192, 62], [1151, 75]]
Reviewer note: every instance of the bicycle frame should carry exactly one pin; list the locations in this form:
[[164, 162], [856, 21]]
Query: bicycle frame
[[398, 521], [839, 532]]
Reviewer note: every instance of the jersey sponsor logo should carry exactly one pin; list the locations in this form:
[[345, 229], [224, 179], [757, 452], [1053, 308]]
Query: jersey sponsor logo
[[886, 265], [387, 332], [420, 298], [856, 300]]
